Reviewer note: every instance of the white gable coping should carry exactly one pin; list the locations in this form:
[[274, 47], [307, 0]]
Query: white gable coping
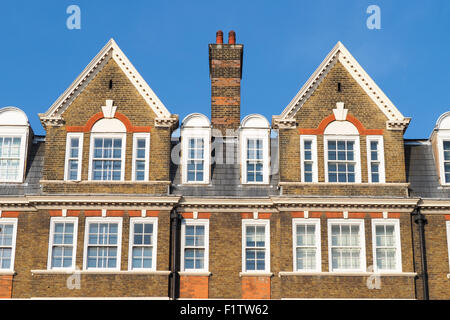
[[110, 51], [396, 121]]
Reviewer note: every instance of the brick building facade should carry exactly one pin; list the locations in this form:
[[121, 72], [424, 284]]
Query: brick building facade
[[326, 201]]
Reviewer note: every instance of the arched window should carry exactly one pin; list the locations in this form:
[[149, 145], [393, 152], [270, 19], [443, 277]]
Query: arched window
[[107, 150], [342, 153], [254, 141], [195, 149]]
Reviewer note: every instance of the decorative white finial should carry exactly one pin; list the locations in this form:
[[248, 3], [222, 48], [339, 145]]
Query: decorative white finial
[[340, 113], [109, 110]]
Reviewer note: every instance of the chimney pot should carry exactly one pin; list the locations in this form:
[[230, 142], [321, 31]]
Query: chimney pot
[[231, 37], [219, 37]]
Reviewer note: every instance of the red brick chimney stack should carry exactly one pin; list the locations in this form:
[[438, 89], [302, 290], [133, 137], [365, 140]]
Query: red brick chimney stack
[[219, 37], [231, 37], [225, 70]]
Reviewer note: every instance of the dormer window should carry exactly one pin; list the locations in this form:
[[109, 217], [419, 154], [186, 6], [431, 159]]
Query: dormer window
[[195, 149], [195, 160], [441, 142], [14, 135], [254, 141], [10, 158], [255, 160]]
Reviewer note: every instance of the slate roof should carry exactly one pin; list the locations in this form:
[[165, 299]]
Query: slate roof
[[225, 178], [421, 171], [33, 174]]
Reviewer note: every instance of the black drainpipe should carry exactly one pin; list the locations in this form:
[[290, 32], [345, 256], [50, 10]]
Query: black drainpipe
[[174, 234], [422, 221]]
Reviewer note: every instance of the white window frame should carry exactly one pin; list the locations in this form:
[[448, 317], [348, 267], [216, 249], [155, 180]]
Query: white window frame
[[196, 133], [362, 242], [262, 134], [90, 220], [53, 221], [14, 222], [133, 221], [137, 136], [256, 222], [357, 155], [313, 139], [195, 222], [398, 247], [23, 135], [122, 136], [441, 137], [381, 168], [316, 223], [80, 137]]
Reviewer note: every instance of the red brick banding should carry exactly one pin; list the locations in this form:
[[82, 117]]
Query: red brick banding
[[332, 215], [73, 213], [99, 115], [298, 214], [93, 213], [115, 213], [134, 213], [55, 213], [327, 120], [356, 215]]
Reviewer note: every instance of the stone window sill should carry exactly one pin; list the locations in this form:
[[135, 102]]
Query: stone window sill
[[194, 273], [74, 271], [348, 274], [255, 274]]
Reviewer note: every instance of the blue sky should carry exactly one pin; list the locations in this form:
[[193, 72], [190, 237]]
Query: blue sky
[[284, 42]]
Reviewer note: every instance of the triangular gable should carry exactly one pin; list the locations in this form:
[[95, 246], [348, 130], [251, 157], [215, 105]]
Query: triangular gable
[[396, 121], [110, 51]]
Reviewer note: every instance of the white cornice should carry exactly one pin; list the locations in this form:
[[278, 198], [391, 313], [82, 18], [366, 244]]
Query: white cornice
[[93, 201], [270, 204], [228, 204], [110, 51], [340, 203], [341, 54]]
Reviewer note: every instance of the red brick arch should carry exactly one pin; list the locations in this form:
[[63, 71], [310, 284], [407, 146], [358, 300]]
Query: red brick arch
[[326, 121], [98, 116]]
